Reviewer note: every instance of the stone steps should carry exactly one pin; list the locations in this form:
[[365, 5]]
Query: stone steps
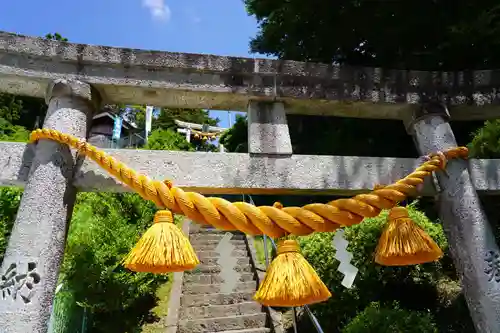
[[204, 228], [205, 304], [214, 254], [211, 269], [221, 324], [193, 288], [214, 237], [217, 298], [240, 261], [214, 278], [250, 330], [220, 310], [211, 245]]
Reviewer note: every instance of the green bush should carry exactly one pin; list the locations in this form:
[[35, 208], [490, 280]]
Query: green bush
[[9, 132], [103, 230], [9, 202], [104, 227], [161, 139], [414, 287], [377, 319], [486, 141], [235, 139]]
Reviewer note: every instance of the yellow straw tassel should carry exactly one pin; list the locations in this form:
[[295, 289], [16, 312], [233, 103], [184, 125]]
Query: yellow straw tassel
[[290, 280], [403, 242], [162, 249]]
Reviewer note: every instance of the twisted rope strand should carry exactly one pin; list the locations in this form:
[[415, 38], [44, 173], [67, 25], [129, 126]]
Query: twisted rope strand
[[273, 221]]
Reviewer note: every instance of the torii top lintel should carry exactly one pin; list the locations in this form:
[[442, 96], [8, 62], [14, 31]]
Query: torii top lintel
[[183, 80]]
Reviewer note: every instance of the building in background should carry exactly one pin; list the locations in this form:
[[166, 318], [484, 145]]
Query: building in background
[[113, 131]]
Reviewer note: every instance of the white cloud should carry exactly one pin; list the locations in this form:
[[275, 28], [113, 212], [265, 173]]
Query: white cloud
[[158, 9]]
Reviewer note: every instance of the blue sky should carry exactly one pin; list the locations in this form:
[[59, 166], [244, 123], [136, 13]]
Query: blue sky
[[197, 26]]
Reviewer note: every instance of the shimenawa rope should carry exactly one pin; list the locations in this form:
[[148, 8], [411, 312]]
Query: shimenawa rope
[[274, 221]]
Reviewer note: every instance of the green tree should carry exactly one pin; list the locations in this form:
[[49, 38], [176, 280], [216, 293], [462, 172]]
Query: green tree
[[161, 139], [10, 108], [56, 36], [166, 122], [9, 132], [9, 203], [486, 141], [235, 139], [377, 34], [18, 115], [167, 116], [453, 36], [103, 229]]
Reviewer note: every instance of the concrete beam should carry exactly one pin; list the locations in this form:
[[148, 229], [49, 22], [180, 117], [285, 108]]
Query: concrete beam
[[128, 76], [215, 173]]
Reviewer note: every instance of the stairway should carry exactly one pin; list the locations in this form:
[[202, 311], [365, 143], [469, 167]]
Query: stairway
[[209, 303]]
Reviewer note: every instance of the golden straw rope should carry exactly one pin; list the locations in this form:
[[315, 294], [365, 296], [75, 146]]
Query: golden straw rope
[[274, 221]]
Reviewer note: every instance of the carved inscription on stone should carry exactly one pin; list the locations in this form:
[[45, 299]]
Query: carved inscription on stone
[[19, 284], [493, 269]]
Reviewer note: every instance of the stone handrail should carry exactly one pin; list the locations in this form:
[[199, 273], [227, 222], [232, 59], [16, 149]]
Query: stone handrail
[[124, 75]]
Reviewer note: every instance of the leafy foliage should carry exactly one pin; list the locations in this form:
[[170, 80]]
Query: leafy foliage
[[9, 203], [167, 116], [380, 33], [10, 108], [56, 36], [166, 122], [414, 287], [161, 139], [235, 139], [377, 34], [103, 229], [15, 133], [18, 115], [486, 141], [377, 319], [343, 136]]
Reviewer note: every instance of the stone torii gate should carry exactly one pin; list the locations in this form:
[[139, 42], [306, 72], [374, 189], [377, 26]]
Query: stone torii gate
[[211, 132], [75, 79]]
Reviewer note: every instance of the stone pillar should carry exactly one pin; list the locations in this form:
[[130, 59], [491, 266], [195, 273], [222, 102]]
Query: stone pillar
[[470, 236], [268, 129], [31, 265]]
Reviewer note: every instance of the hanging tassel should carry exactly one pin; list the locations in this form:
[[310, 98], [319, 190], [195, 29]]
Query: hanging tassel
[[403, 242], [162, 249], [290, 280]]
